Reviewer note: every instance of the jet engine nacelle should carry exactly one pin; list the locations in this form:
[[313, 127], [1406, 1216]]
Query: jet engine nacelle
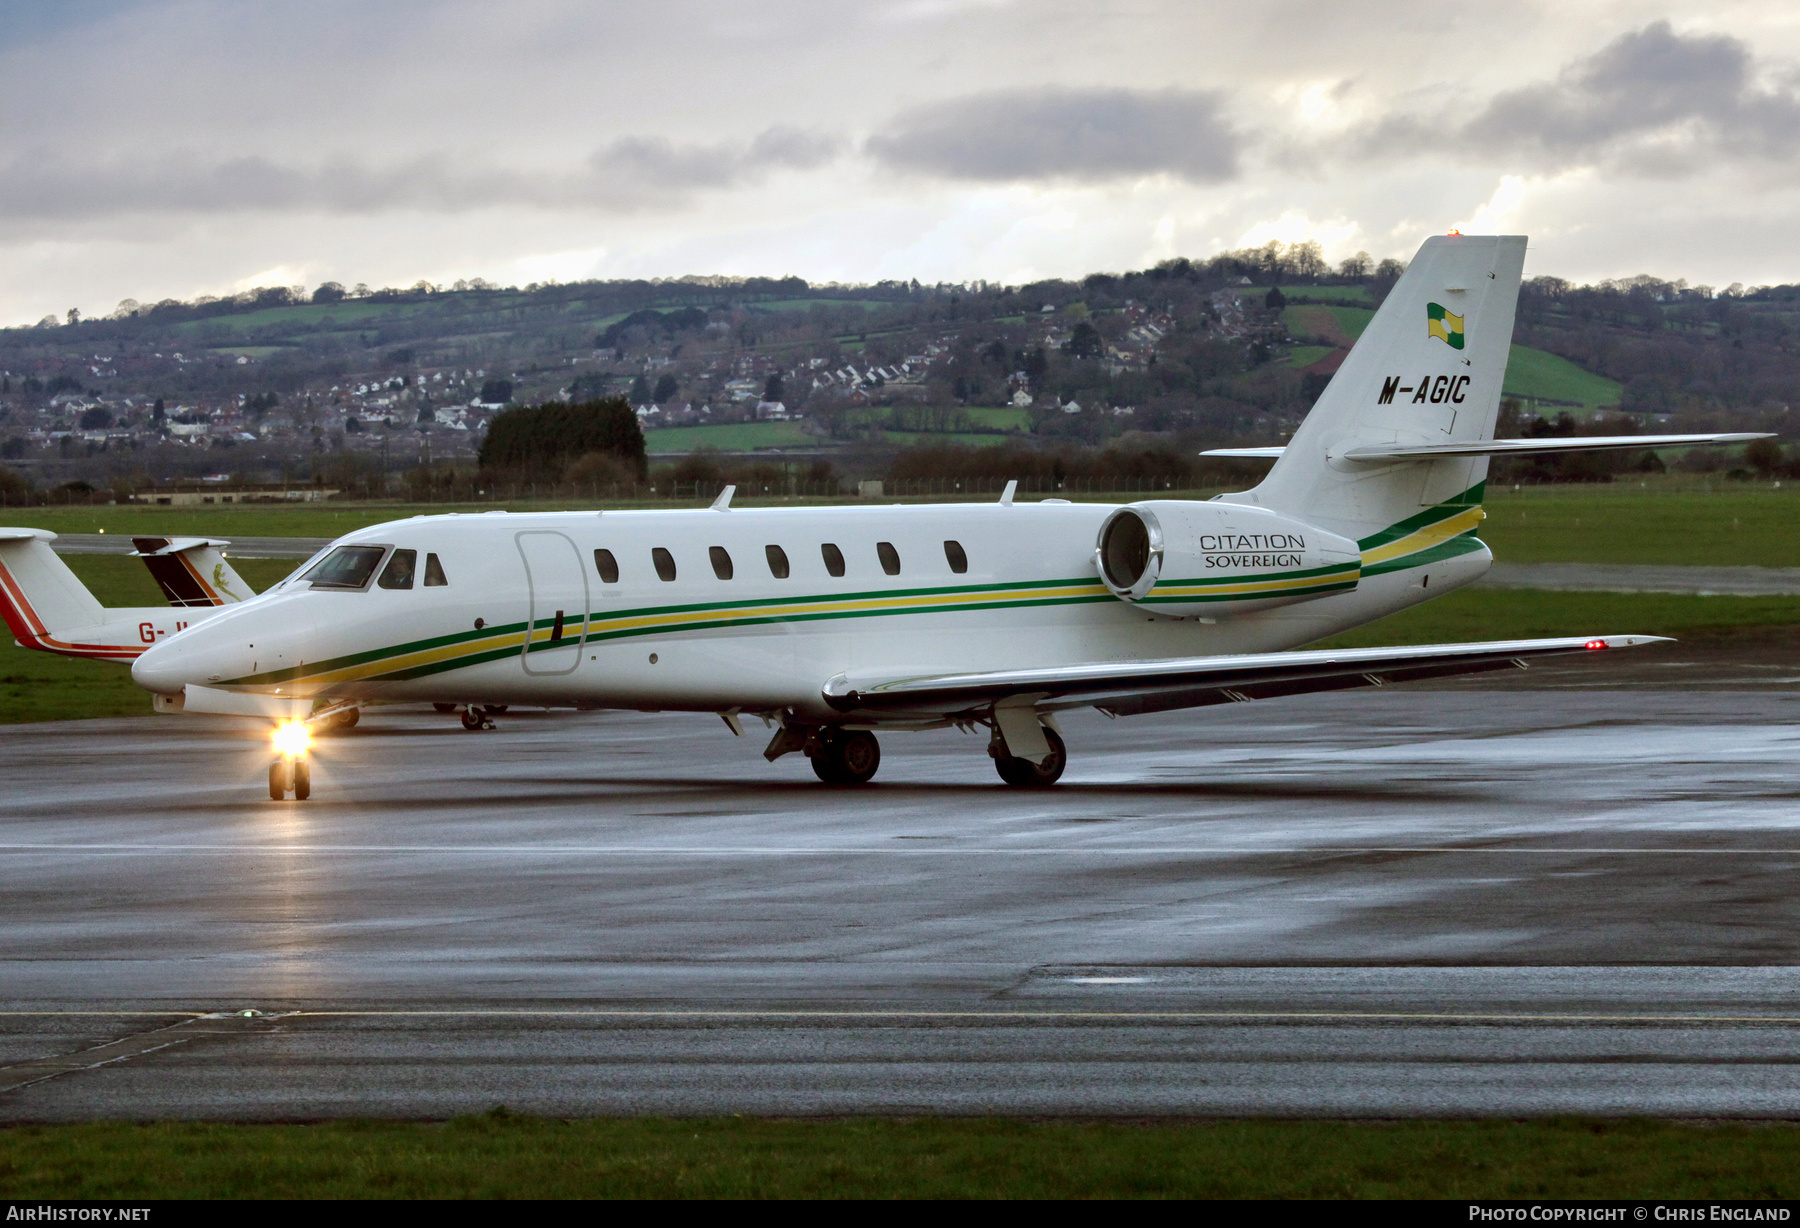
[[1214, 559]]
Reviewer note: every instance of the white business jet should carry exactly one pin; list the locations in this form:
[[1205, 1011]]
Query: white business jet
[[836, 623]]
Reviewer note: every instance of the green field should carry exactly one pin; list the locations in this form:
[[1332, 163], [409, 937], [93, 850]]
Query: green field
[[1472, 614], [1305, 355], [943, 439], [503, 1156], [1325, 294], [982, 417], [1666, 521], [1352, 320], [728, 437], [1534, 373], [1675, 520]]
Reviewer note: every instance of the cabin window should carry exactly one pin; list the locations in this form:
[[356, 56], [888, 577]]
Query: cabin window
[[346, 567], [399, 571], [434, 573], [890, 557], [665, 563], [721, 561], [607, 566], [834, 559], [778, 564], [959, 562]]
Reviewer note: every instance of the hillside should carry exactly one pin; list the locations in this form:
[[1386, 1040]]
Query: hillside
[[354, 387]]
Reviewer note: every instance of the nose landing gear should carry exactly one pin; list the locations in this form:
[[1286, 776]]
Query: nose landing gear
[[475, 717], [290, 772]]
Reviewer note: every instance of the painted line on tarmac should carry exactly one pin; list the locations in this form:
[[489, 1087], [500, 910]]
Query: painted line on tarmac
[[943, 850], [900, 1013]]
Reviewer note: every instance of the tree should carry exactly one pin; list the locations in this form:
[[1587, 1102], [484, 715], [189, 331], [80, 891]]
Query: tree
[[640, 391], [1764, 456], [1274, 300], [156, 412], [773, 388], [1036, 365], [1307, 259], [1356, 267], [496, 392], [98, 419], [666, 387], [1084, 342], [547, 438], [1383, 279]]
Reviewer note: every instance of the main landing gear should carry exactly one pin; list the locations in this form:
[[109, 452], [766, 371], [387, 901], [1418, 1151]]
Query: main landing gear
[[1023, 773], [845, 757]]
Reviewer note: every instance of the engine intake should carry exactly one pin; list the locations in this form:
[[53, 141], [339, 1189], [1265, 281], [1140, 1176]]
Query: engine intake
[[1181, 558]]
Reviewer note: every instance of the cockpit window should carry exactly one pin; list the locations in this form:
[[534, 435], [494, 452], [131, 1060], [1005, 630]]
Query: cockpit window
[[399, 571], [346, 567], [434, 573]]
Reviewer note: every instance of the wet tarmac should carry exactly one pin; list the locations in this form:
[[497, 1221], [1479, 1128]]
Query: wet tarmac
[[1455, 901]]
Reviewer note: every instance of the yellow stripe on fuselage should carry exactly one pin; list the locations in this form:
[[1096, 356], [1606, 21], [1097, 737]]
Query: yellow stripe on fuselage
[[1251, 587], [1427, 537]]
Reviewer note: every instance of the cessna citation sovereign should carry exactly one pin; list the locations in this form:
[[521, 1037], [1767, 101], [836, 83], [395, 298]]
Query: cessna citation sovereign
[[836, 623]]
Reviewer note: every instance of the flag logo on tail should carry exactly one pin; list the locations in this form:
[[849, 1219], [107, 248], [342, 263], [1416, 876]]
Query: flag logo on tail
[[1444, 326]]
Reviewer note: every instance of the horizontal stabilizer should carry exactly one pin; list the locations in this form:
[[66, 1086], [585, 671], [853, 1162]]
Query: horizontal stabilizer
[[192, 571], [1381, 453], [1535, 447], [1130, 687]]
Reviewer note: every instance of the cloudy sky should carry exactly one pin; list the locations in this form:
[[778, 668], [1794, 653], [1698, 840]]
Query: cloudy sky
[[170, 148]]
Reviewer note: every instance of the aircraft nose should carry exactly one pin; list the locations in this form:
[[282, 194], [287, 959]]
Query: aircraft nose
[[231, 649], [166, 667]]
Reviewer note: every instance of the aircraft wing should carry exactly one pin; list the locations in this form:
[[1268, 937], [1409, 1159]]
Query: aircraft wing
[[1128, 688]]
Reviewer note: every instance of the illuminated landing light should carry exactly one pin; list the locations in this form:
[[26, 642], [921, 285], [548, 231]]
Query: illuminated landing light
[[1595, 644], [292, 738]]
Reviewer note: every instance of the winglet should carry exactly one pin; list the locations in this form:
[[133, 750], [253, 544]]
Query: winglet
[[723, 502], [1006, 496]]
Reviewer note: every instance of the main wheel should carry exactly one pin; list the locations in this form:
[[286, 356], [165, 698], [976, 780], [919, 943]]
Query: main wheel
[[302, 780], [1024, 774], [847, 758], [347, 718], [446, 709], [278, 780]]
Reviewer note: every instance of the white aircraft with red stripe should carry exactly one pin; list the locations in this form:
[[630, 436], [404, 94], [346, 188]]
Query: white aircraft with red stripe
[[46, 606]]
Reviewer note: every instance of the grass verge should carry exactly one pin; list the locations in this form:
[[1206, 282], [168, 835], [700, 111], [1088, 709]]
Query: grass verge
[[499, 1155], [1507, 614]]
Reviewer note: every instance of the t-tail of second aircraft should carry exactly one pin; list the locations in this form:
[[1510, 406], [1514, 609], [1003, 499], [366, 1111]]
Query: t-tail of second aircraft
[[47, 607]]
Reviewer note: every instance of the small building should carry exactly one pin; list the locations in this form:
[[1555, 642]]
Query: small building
[[194, 494]]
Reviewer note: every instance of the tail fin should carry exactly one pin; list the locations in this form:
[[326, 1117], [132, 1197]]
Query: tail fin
[[39, 595], [192, 570], [1427, 370]]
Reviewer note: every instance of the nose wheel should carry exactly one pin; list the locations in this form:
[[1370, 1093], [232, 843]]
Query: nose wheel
[[474, 718], [290, 774]]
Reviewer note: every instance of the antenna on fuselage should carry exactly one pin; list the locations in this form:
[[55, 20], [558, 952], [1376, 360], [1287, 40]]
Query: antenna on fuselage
[[1007, 494], [723, 502]]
